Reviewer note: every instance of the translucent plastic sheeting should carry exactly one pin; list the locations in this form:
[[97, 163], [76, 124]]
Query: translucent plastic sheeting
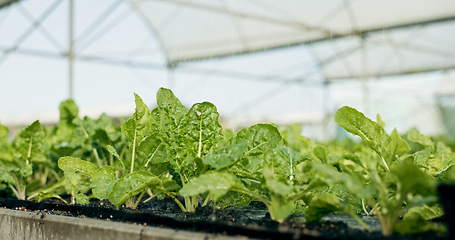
[[301, 50], [360, 35], [390, 52]]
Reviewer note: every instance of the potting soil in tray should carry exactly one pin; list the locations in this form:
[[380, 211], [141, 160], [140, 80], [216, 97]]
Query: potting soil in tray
[[252, 221]]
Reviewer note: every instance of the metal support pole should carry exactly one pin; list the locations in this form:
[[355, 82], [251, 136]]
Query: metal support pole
[[366, 97], [326, 109], [70, 49]]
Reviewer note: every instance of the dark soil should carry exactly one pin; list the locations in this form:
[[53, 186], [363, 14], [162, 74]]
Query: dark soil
[[252, 221]]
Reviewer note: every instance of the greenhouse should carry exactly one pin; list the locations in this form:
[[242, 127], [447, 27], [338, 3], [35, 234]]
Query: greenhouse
[[261, 119]]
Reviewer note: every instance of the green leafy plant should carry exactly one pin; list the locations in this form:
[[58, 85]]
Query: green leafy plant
[[110, 179], [185, 154], [255, 166], [165, 148], [26, 150], [387, 180], [74, 139]]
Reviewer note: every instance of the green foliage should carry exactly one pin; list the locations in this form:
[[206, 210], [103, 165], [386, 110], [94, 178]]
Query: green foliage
[[259, 138], [76, 165], [321, 206], [130, 185], [6, 151], [416, 220], [403, 185], [226, 156], [185, 154], [217, 183], [138, 128], [77, 172], [27, 151], [29, 145], [260, 169], [102, 182]]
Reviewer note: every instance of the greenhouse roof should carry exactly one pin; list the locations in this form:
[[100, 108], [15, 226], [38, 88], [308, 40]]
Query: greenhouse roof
[[287, 57], [353, 32]]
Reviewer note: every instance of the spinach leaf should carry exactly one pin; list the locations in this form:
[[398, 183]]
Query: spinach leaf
[[137, 128], [27, 149], [391, 191], [77, 172], [131, 185]]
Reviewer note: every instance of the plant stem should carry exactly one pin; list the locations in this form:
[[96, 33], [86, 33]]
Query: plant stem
[[364, 208], [122, 152], [129, 203], [252, 180], [385, 163], [73, 198], [111, 160], [151, 196], [153, 154], [19, 191], [184, 179], [97, 158], [191, 203], [138, 200], [22, 193], [188, 204], [173, 198], [43, 178], [14, 190], [206, 200], [121, 163], [133, 151], [29, 153], [199, 151]]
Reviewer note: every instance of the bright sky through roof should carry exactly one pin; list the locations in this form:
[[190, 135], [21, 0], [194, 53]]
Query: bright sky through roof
[[284, 85]]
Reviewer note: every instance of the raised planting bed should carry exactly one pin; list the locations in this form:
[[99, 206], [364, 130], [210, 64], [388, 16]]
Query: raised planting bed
[[40, 226], [160, 219]]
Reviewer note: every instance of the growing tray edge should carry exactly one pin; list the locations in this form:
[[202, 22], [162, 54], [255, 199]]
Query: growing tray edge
[[17, 224]]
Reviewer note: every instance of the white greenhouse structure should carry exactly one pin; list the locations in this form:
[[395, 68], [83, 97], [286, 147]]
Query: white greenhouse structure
[[290, 61]]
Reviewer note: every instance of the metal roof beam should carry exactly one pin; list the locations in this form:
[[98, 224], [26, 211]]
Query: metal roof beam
[[333, 36]]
